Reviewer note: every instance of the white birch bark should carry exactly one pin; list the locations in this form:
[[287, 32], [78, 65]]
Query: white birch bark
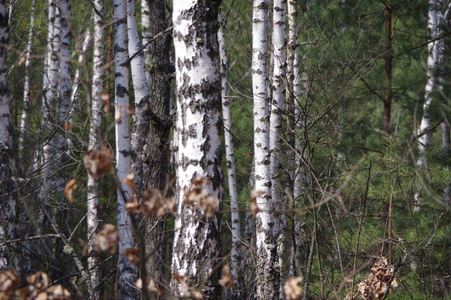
[[94, 131], [267, 263], [77, 78], [9, 254], [434, 83], [27, 81], [51, 67], [277, 109], [196, 235], [237, 265], [141, 93], [146, 36], [128, 271]]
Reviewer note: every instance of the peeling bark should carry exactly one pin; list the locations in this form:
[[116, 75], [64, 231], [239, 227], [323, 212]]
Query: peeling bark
[[196, 251]]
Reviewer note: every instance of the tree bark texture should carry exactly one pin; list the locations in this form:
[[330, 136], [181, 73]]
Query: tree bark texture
[[156, 156], [196, 250], [128, 272], [94, 133], [267, 262], [10, 255], [236, 256]]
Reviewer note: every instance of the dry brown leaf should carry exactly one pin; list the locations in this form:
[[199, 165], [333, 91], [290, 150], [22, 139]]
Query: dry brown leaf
[[226, 279], [199, 194], [98, 161], [107, 239], [58, 292], [132, 206], [106, 102], [118, 115], [9, 281], [182, 281], [253, 206], [21, 60], [70, 187], [132, 255], [154, 203], [129, 180], [377, 284], [152, 287], [292, 289], [197, 295], [84, 246]]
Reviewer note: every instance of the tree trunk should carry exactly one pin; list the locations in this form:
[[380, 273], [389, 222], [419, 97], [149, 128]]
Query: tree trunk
[[196, 252], [141, 95], [236, 255], [146, 36], [156, 157], [27, 81], [128, 273], [388, 66], [434, 84], [94, 133], [267, 262], [10, 255]]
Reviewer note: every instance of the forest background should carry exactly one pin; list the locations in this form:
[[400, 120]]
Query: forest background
[[364, 161]]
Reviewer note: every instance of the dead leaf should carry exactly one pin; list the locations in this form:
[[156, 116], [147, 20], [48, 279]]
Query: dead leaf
[[9, 281], [132, 255], [226, 279], [70, 187], [292, 289], [130, 180], [98, 161], [107, 239], [253, 202]]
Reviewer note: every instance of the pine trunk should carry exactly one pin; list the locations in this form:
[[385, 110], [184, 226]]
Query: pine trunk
[[267, 262], [196, 251], [128, 271]]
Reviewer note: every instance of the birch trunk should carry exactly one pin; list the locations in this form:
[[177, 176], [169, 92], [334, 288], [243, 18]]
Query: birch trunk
[[237, 256], [141, 94], [128, 271], [277, 109], [196, 234], [434, 83], [10, 255], [156, 152], [94, 132], [267, 262], [146, 36], [27, 81]]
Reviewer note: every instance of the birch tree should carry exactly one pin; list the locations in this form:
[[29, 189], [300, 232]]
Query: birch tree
[[141, 93], [196, 234], [128, 271], [434, 83], [9, 255], [146, 35], [267, 269], [277, 109], [236, 255], [94, 131], [27, 79]]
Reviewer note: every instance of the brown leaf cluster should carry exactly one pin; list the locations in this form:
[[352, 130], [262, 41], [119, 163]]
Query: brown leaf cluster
[[253, 203], [377, 283], [38, 287], [292, 288], [69, 189], [98, 161], [154, 203], [151, 286], [226, 279], [132, 255], [107, 239], [199, 195], [184, 289]]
